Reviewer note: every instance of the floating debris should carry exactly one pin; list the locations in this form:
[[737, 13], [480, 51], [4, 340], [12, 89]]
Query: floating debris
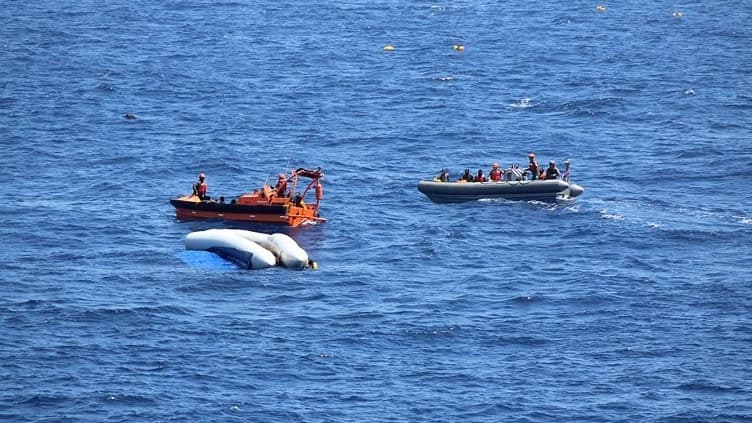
[[129, 116], [458, 47], [600, 8], [677, 14], [388, 47]]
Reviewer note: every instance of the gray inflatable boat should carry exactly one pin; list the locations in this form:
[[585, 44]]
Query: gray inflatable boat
[[541, 190]]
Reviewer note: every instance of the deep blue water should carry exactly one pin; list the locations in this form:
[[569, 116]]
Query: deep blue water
[[631, 303]]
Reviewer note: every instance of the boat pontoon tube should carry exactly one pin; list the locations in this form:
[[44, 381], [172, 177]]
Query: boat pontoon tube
[[241, 251]]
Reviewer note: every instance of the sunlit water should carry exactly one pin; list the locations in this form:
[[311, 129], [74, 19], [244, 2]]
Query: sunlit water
[[631, 303]]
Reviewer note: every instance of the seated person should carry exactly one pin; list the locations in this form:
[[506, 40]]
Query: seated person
[[298, 200], [479, 177], [444, 176], [467, 176], [266, 192]]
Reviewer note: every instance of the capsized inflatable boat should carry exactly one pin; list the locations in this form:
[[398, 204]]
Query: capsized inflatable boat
[[250, 250], [461, 191]]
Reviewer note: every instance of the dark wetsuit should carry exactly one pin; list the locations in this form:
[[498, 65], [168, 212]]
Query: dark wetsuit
[[552, 173]]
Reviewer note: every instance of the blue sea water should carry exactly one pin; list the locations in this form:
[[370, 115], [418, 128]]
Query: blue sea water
[[631, 303]]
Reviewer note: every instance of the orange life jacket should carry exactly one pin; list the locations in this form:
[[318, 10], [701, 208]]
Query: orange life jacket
[[202, 187]]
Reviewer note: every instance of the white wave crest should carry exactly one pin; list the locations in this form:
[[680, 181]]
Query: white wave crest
[[744, 220], [522, 103], [611, 216]]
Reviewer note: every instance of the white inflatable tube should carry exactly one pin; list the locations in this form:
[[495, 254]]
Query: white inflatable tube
[[237, 249], [259, 238], [287, 251], [290, 253]]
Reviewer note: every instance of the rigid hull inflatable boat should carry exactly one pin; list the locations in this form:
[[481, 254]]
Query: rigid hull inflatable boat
[[461, 191]]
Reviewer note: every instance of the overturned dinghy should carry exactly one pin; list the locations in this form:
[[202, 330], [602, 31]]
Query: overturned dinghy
[[241, 251], [284, 248], [461, 191], [250, 250]]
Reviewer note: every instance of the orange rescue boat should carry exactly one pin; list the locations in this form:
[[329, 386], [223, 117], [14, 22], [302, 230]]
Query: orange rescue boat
[[265, 205]]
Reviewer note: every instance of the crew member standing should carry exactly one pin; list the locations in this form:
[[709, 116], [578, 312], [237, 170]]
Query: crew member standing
[[200, 187], [281, 186], [495, 173], [567, 171], [532, 166]]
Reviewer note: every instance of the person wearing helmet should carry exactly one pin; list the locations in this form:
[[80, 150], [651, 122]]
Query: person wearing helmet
[[552, 172], [495, 173], [200, 187], [532, 167], [281, 188]]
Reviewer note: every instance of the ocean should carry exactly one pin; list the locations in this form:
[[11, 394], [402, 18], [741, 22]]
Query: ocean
[[630, 303]]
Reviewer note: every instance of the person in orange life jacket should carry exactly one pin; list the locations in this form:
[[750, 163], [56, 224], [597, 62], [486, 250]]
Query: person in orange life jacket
[[533, 166], [495, 173], [479, 177], [200, 187], [552, 172], [281, 186], [467, 176]]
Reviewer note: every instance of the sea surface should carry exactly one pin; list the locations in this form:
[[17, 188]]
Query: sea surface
[[631, 303]]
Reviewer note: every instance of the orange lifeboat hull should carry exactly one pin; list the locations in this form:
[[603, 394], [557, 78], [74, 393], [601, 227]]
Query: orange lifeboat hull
[[248, 208]]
